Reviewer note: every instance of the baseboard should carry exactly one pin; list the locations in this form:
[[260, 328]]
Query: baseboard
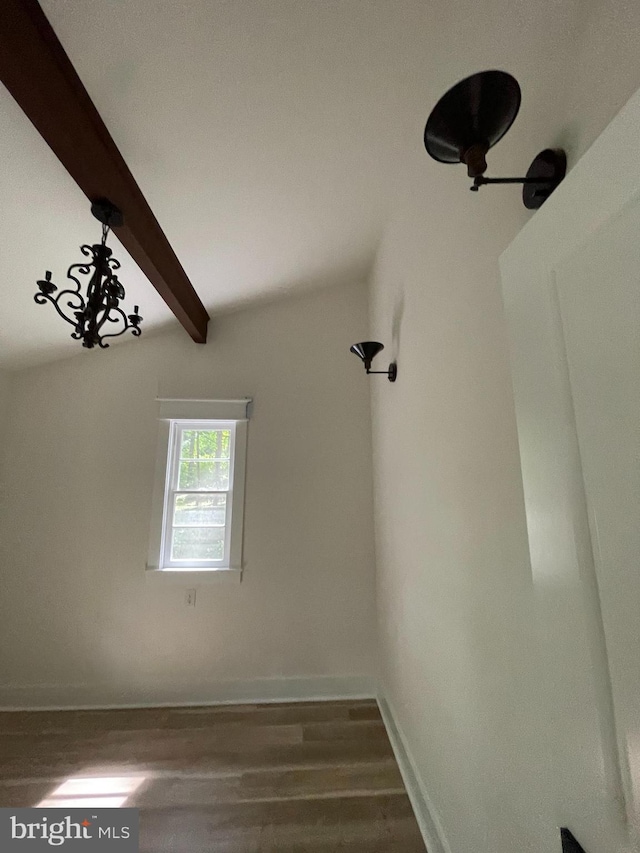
[[426, 815], [59, 697]]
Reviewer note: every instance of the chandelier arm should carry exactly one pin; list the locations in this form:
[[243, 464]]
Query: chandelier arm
[[111, 292], [83, 269], [94, 288], [117, 334], [127, 325], [41, 297], [106, 315], [73, 295], [135, 331]]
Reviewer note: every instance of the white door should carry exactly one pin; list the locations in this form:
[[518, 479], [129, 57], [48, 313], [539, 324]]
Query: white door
[[571, 285]]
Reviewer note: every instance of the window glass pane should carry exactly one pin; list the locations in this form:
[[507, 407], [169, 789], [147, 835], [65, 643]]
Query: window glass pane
[[199, 510], [204, 474], [205, 444], [197, 543]]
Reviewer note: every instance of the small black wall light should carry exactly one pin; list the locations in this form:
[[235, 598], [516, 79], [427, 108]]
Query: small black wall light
[[471, 118], [367, 351], [569, 843]]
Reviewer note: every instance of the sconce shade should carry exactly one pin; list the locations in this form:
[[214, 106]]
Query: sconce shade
[[471, 117], [367, 351]]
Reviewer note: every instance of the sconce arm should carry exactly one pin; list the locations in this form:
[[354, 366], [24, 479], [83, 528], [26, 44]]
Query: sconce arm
[[543, 176], [481, 181], [391, 373]]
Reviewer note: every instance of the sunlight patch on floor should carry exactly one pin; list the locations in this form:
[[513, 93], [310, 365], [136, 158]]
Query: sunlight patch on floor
[[107, 792]]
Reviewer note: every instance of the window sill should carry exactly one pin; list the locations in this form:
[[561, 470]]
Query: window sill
[[193, 577]]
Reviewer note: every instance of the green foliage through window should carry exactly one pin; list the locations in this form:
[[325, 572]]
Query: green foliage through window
[[205, 462]]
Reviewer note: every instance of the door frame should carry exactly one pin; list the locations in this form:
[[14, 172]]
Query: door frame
[[601, 185]]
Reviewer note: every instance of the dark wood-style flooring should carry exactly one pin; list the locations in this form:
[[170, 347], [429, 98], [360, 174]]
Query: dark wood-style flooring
[[313, 777]]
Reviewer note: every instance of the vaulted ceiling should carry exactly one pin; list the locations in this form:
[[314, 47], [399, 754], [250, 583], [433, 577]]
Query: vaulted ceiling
[[267, 136]]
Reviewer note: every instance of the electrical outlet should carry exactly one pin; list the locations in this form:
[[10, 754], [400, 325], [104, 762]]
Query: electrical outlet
[[190, 598]]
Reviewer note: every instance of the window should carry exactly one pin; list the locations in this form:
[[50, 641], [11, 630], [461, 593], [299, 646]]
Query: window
[[199, 495], [198, 502]]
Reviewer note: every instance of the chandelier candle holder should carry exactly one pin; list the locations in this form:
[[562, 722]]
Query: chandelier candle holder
[[97, 311]]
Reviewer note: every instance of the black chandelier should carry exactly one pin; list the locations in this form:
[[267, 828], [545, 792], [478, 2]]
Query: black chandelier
[[90, 315]]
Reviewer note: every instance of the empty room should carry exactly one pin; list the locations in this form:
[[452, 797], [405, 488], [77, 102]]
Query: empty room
[[319, 449]]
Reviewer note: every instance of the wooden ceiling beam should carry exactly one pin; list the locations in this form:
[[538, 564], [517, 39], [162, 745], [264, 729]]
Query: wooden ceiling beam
[[38, 73]]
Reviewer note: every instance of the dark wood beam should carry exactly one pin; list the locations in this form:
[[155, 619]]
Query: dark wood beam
[[38, 73]]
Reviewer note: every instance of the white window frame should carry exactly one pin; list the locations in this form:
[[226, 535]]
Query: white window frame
[[175, 415], [177, 429]]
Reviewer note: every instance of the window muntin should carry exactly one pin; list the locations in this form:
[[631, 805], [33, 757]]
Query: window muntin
[[199, 495]]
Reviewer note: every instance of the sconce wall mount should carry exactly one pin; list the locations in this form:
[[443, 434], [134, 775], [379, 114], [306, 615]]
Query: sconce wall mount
[[471, 118], [367, 351]]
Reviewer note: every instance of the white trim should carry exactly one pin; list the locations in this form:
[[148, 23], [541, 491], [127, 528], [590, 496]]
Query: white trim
[[207, 410], [172, 488], [157, 501], [605, 179], [188, 577], [193, 411], [424, 810], [62, 697], [236, 538], [604, 182]]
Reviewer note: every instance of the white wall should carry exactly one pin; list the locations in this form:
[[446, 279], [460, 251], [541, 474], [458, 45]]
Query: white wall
[[604, 74], [5, 379], [454, 585], [5, 410], [79, 622]]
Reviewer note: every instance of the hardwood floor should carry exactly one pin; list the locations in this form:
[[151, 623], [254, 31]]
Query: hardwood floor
[[314, 777]]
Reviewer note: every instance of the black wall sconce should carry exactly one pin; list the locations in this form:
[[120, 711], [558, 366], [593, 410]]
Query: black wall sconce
[[471, 118], [569, 843], [367, 351]]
